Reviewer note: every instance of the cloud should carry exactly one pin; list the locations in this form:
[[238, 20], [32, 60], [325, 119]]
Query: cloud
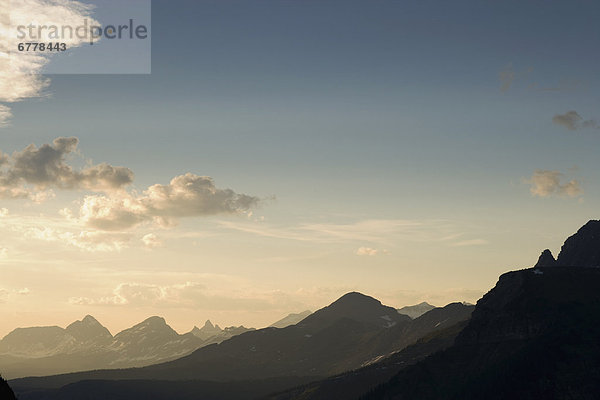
[[20, 76], [151, 241], [3, 212], [5, 115], [46, 167], [573, 121], [546, 183], [471, 242], [192, 295], [383, 232], [24, 291], [3, 296], [3, 252], [507, 77], [91, 241], [366, 251], [186, 195]]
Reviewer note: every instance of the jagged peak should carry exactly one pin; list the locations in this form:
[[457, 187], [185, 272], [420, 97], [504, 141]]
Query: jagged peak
[[208, 324], [546, 259]]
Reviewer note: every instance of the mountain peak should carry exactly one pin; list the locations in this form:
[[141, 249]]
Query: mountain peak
[[355, 298], [89, 329], [358, 307], [583, 248], [546, 259], [207, 331], [88, 319], [155, 321]]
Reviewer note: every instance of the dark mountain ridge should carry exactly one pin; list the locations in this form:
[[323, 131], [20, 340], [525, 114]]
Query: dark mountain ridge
[[535, 335]]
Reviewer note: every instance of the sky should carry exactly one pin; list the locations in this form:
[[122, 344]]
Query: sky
[[283, 153]]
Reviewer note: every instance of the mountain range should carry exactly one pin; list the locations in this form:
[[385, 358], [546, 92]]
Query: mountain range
[[535, 335], [86, 344], [354, 331]]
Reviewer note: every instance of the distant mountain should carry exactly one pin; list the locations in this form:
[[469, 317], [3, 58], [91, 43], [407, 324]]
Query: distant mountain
[[211, 334], [353, 332], [207, 331], [356, 307], [149, 342], [89, 332], [417, 310], [86, 345], [291, 319], [38, 342]]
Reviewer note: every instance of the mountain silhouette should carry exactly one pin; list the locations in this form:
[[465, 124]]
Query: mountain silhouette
[[354, 331], [583, 248], [86, 345], [417, 310], [89, 330], [290, 319], [6, 393], [356, 307], [211, 334], [37, 342], [207, 331], [535, 335]]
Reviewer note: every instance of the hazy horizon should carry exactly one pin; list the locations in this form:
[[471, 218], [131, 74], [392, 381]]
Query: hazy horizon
[[282, 154]]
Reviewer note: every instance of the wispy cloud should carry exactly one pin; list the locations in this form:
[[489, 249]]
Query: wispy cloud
[[151, 241], [380, 232], [545, 183], [572, 121], [193, 295], [366, 251], [472, 242], [507, 77]]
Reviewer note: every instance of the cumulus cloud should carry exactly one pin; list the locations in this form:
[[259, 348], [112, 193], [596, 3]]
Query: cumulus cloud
[[186, 195], [546, 183], [47, 167], [366, 251], [573, 121], [20, 77]]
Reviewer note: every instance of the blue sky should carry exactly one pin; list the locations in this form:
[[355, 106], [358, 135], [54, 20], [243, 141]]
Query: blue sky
[[345, 112]]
